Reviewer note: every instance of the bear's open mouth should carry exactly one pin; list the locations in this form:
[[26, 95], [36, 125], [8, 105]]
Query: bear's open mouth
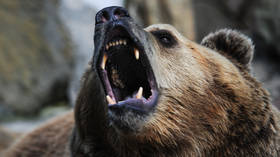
[[126, 73]]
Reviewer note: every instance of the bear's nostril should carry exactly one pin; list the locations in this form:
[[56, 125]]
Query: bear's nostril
[[119, 12], [104, 17]]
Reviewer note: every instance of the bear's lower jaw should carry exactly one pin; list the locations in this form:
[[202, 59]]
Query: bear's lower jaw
[[126, 73]]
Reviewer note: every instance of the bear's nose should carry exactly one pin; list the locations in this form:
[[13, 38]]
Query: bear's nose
[[110, 14]]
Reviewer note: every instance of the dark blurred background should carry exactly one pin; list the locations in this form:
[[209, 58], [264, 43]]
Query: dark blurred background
[[45, 46]]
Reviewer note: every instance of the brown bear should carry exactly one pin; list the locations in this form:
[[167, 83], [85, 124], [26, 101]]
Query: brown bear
[[152, 92]]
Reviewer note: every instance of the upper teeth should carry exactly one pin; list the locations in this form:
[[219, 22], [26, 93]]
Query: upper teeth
[[103, 64], [115, 43], [136, 53], [105, 57]]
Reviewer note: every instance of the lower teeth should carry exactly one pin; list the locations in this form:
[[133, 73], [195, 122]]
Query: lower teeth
[[139, 93]]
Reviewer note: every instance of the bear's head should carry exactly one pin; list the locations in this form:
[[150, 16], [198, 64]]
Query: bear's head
[[152, 89]]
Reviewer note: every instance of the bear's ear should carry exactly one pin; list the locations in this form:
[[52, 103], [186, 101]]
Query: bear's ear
[[232, 44]]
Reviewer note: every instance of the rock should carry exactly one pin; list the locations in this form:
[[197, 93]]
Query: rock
[[35, 56], [178, 13], [20, 125], [259, 19]]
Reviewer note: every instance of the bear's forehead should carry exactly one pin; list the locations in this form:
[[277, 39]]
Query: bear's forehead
[[167, 27], [155, 27]]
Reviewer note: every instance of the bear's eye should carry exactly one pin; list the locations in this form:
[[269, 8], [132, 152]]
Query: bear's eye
[[165, 38]]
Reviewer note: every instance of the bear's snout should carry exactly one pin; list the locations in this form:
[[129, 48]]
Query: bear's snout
[[110, 14]]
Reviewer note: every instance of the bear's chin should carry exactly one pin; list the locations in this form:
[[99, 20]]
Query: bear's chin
[[127, 120]]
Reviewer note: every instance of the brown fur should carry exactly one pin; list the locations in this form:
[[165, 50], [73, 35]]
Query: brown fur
[[209, 105], [49, 140], [6, 139]]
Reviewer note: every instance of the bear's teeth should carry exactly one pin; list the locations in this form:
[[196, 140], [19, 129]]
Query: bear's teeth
[[116, 43], [110, 100], [139, 93], [136, 53], [104, 60]]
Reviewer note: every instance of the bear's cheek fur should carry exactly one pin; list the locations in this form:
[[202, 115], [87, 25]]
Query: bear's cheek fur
[[177, 68], [189, 107]]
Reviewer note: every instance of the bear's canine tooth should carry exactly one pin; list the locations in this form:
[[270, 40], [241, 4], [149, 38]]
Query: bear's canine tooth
[[136, 53], [104, 60], [139, 93], [110, 100]]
